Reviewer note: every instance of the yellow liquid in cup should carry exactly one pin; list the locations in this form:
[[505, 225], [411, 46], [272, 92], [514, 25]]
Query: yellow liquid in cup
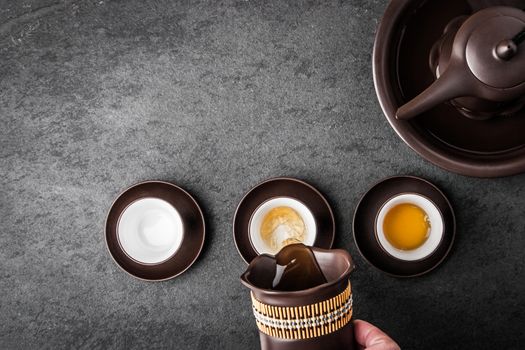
[[282, 226], [406, 226]]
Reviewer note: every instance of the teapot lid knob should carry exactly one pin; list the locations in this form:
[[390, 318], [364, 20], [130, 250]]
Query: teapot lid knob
[[506, 49], [492, 52]]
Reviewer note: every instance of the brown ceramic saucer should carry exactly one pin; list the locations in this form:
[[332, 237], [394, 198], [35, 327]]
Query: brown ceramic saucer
[[192, 240], [282, 187], [364, 222]]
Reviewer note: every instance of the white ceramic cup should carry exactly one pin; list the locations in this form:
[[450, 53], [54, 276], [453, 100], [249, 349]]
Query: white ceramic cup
[[258, 215], [436, 227], [150, 230]]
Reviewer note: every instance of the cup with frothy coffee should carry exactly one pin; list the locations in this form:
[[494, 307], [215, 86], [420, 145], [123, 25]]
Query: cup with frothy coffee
[[279, 222]]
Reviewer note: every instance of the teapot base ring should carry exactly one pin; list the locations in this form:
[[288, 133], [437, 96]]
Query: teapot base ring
[[497, 110]]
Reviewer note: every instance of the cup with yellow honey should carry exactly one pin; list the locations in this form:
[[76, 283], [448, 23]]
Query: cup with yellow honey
[[409, 227]]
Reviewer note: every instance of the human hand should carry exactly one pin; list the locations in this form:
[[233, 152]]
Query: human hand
[[369, 337]]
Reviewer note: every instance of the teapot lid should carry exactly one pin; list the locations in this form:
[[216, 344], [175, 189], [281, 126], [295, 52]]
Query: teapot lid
[[491, 54]]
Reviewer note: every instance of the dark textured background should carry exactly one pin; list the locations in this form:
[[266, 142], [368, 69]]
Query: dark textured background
[[216, 96]]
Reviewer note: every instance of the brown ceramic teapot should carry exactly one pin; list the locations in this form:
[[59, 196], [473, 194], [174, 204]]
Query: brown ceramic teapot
[[479, 65], [302, 298]]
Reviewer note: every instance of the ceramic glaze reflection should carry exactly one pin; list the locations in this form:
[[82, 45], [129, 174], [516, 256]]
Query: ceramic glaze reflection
[[150, 230], [296, 268]]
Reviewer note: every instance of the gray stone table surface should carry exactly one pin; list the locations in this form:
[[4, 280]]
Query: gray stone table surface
[[216, 96]]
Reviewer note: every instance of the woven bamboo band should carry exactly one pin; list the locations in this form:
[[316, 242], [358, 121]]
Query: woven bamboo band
[[303, 322]]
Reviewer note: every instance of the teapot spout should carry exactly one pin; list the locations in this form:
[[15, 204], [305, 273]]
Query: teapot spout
[[452, 84], [298, 268]]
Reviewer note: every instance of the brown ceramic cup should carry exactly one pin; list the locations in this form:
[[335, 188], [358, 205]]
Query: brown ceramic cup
[[310, 319]]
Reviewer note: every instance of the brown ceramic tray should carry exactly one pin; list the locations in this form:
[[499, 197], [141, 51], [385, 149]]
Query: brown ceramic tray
[[282, 187], [193, 237], [364, 222], [409, 28]]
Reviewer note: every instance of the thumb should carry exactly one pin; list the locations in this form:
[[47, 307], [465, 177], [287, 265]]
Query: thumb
[[372, 338]]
